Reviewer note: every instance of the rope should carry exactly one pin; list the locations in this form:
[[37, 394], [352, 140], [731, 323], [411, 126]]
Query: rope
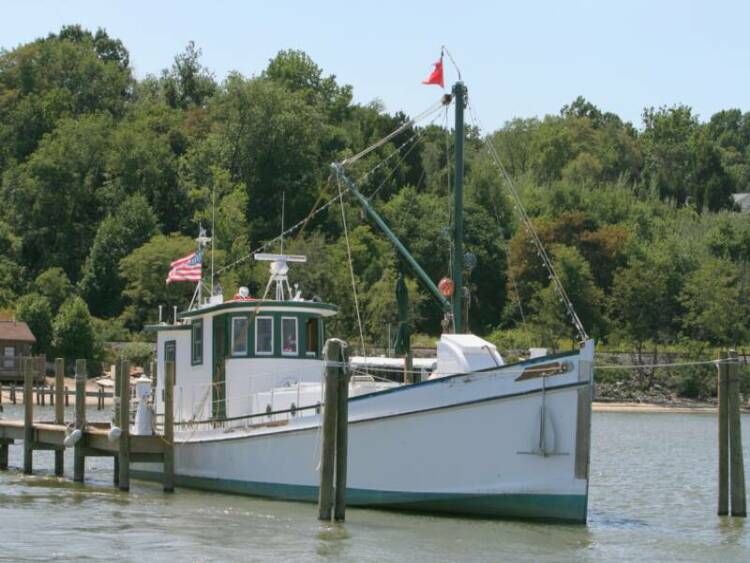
[[314, 212], [384, 140], [351, 270], [534, 236], [672, 365]]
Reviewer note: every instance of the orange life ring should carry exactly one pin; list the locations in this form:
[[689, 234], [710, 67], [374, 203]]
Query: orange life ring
[[446, 287]]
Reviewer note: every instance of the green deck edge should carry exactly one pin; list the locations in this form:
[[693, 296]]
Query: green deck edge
[[560, 508]]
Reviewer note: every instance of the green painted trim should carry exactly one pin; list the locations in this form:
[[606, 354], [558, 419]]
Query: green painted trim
[[161, 327], [565, 508], [259, 303]]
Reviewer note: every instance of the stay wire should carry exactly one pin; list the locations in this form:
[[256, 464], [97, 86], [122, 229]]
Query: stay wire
[[541, 251], [314, 212], [351, 269]]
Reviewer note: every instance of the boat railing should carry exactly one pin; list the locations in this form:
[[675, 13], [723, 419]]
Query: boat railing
[[254, 420]]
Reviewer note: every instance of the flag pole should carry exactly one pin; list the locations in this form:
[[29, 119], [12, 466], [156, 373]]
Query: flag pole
[[213, 235]]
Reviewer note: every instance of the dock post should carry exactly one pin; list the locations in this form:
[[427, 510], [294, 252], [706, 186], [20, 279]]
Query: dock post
[[79, 458], [342, 431], [28, 416], [736, 463], [4, 454], [124, 454], [59, 411], [67, 397], [13, 393], [168, 458], [722, 392], [115, 415], [332, 355]]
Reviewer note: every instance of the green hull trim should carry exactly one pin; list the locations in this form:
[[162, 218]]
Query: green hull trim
[[561, 508]]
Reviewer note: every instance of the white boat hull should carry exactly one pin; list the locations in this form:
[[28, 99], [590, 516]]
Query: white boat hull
[[485, 444]]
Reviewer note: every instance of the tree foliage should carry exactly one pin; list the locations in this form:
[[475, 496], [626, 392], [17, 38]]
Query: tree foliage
[[106, 178]]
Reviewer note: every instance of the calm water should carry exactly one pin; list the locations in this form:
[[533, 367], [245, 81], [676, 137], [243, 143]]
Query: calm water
[[653, 489]]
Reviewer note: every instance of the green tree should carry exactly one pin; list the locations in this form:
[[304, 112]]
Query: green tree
[[145, 272], [127, 228], [54, 195], [54, 284], [716, 304], [11, 271], [73, 331], [188, 83], [35, 310]]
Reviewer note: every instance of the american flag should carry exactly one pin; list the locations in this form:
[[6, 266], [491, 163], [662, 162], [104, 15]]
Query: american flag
[[187, 268]]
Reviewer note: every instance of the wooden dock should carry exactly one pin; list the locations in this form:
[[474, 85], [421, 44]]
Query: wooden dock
[[89, 439]]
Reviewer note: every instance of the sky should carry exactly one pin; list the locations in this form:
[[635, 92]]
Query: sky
[[518, 59]]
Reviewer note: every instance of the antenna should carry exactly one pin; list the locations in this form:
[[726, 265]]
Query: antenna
[[283, 205], [213, 234]]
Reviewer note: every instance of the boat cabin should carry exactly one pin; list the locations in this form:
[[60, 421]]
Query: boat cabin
[[227, 352]]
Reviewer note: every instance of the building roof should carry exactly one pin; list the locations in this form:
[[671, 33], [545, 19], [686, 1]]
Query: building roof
[[16, 330], [743, 201]]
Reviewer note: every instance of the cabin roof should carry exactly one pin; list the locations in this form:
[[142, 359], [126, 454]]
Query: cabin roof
[[323, 309], [16, 330]]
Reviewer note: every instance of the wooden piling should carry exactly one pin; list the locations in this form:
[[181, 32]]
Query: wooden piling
[[58, 401], [736, 463], [723, 410], [342, 437], [66, 394], [28, 416], [79, 458], [124, 424], [116, 415], [4, 454], [13, 393], [44, 394], [332, 355], [168, 456]]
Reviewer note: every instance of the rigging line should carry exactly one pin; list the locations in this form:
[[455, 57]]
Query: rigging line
[[434, 107], [351, 270], [399, 162], [541, 251], [314, 213], [672, 365], [314, 208], [512, 278]]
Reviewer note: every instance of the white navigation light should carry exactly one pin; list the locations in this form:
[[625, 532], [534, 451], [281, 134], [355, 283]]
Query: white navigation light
[[244, 292]]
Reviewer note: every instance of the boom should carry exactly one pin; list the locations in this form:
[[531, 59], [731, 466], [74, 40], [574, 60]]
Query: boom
[[402, 250]]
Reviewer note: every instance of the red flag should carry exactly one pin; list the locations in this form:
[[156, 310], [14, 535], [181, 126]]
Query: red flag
[[436, 76]]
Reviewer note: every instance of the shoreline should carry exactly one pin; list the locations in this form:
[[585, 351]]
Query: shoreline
[[686, 407]]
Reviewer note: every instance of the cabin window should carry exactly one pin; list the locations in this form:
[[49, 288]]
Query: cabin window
[[289, 341], [239, 336], [311, 328], [264, 336], [196, 330], [170, 355]]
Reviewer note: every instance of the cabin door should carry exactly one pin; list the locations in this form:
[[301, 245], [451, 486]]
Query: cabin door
[[218, 393]]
